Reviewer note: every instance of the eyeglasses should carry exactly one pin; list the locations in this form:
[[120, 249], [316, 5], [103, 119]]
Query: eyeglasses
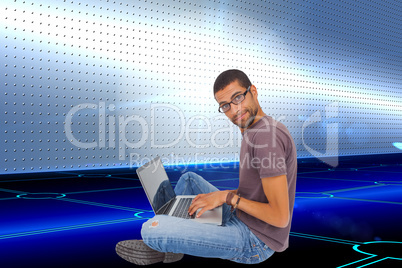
[[236, 100]]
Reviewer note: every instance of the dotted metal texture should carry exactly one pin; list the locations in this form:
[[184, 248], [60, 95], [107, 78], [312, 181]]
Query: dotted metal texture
[[101, 84]]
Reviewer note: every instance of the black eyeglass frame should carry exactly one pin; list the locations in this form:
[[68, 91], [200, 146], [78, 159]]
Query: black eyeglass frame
[[229, 103]]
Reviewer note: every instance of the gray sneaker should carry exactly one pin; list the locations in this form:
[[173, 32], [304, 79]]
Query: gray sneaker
[[137, 252]]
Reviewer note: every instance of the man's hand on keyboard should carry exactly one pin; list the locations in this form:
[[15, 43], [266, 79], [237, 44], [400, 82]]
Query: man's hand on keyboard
[[207, 202]]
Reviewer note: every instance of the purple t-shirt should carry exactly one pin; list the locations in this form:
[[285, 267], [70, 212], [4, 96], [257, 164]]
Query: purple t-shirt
[[267, 150]]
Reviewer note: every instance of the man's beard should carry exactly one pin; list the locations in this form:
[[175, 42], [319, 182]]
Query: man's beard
[[250, 120]]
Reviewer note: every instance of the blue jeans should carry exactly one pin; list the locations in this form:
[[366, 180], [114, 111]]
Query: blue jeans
[[232, 241]]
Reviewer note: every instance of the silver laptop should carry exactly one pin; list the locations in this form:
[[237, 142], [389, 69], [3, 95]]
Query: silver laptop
[[163, 199]]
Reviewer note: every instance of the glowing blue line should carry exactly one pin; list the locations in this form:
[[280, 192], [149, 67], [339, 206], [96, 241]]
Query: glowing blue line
[[355, 188], [323, 238], [104, 190], [12, 191], [103, 205], [139, 216], [348, 242], [94, 175], [357, 261], [315, 171], [333, 179], [37, 179], [368, 200], [377, 242], [387, 183], [356, 248], [373, 262], [32, 196], [67, 228], [9, 198], [319, 195]]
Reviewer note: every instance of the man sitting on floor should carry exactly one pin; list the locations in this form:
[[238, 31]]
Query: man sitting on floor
[[263, 202]]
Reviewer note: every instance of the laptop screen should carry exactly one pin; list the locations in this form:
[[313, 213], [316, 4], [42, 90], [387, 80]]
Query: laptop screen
[[156, 183]]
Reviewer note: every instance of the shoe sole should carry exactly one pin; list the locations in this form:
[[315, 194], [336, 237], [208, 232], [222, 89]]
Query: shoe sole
[[137, 252]]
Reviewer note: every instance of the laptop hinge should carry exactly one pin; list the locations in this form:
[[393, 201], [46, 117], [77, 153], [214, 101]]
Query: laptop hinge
[[165, 209]]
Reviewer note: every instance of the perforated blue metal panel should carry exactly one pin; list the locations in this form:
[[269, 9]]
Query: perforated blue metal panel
[[100, 84]]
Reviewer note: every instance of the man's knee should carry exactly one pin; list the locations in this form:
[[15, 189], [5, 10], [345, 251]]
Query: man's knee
[[148, 230], [156, 232], [189, 176], [150, 224], [185, 182], [156, 225]]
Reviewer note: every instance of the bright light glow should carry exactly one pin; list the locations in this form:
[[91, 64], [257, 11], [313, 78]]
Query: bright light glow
[[398, 145]]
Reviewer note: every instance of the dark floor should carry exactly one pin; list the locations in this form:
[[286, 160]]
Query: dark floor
[[348, 216]]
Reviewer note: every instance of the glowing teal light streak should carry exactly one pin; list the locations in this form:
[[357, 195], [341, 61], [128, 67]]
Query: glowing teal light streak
[[68, 228], [323, 238], [103, 205], [41, 196], [374, 257], [398, 145], [104, 190], [348, 264], [356, 247]]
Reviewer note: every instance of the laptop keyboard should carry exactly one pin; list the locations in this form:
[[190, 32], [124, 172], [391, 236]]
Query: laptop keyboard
[[181, 210]]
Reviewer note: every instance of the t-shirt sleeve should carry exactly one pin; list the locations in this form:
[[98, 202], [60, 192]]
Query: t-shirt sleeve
[[269, 150]]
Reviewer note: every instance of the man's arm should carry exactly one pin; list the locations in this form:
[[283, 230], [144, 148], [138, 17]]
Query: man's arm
[[276, 212]]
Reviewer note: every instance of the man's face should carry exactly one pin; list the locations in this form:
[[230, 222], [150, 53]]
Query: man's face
[[244, 113]]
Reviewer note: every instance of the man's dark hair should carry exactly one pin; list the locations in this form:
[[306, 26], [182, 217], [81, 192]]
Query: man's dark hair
[[230, 76]]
